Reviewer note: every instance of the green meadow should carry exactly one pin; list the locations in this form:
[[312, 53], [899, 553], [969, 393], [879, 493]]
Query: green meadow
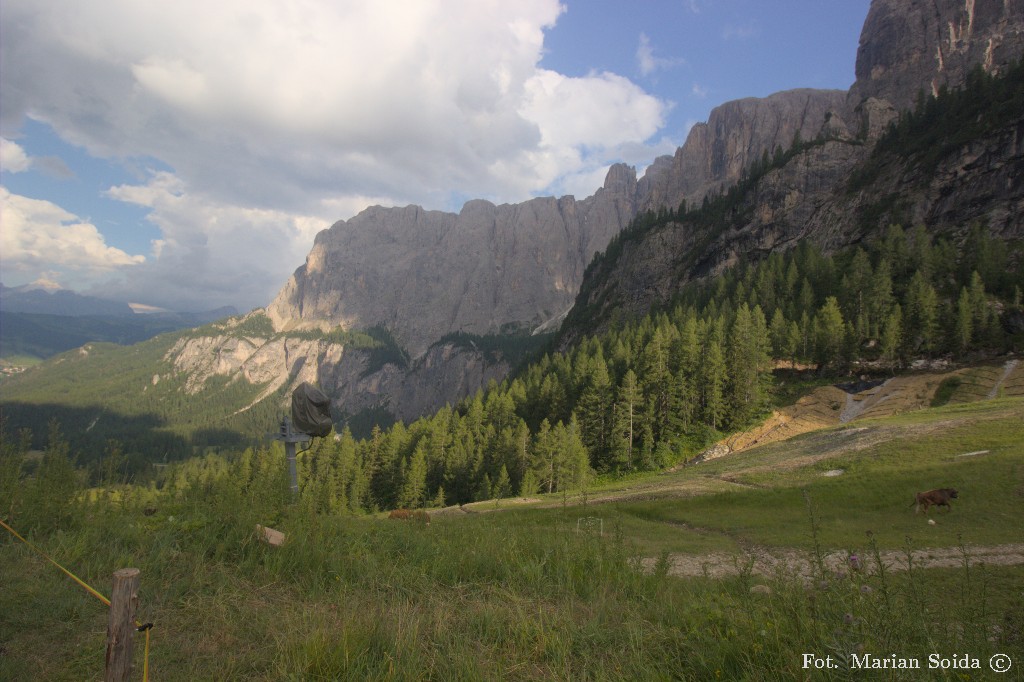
[[543, 591]]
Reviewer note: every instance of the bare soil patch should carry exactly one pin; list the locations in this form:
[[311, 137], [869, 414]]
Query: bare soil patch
[[831, 405]]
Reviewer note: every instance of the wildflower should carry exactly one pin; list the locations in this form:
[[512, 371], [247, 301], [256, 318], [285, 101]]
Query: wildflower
[[866, 589], [854, 562], [848, 618]]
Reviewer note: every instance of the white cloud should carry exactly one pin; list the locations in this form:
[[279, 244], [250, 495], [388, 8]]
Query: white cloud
[[307, 109], [13, 158], [648, 62], [211, 254], [699, 91], [41, 239]]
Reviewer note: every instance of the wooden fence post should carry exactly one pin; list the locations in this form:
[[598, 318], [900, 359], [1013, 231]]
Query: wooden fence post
[[124, 600]]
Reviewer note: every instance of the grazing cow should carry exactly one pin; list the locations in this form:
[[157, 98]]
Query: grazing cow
[[411, 515], [939, 497]]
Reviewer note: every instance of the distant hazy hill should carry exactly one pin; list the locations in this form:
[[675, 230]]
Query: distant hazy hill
[[43, 301], [43, 336], [42, 322]]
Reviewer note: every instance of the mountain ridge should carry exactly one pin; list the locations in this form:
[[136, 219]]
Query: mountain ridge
[[422, 275]]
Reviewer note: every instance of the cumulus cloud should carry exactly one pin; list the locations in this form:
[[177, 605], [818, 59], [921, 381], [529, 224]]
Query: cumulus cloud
[[210, 254], [13, 158], [304, 110], [39, 237]]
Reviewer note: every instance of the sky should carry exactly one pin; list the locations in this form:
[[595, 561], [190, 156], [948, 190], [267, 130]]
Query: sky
[[184, 155]]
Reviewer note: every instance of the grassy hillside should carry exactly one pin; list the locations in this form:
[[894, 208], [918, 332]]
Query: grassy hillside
[[523, 594], [102, 392]]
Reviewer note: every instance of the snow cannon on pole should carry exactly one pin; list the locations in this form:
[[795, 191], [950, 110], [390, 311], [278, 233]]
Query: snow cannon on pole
[[310, 417]]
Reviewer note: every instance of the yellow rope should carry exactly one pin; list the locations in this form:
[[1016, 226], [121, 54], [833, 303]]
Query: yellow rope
[[89, 589], [145, 658]]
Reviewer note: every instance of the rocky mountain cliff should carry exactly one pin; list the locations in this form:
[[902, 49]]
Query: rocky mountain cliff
[[843, 184], [423, 274], [489, 270], [912, 46], [737, 134]]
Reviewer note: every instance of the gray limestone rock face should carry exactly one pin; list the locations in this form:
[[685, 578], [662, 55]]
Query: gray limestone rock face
[[736, 135], [911, 46], [423, 274]]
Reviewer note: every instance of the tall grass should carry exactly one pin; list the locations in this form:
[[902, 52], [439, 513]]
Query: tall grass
[[490, 596], [522, 595]]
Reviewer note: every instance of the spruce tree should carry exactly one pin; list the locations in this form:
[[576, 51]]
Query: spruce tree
[[829, 334]]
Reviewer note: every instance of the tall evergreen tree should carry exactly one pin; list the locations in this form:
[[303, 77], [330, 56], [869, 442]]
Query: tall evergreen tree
[[627, 406], [829, 334], [921, 315]]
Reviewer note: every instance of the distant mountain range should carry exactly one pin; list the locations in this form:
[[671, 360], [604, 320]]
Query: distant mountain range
[[43, 300], [41, 321]]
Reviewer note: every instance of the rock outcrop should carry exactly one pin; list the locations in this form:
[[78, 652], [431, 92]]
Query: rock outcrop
[[736, 135], [423, 274], [278, 363], [912, 46]]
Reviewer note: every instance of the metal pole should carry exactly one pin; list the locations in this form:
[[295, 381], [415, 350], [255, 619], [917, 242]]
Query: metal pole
[[289, 451], [290, 438]]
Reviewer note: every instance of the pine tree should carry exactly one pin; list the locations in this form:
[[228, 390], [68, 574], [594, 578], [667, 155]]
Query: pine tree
[[576, 467], [713, 377], [528, 486], [892, 336], [829, 333], [414, 479], [439, 500], [656, 383], [595, 412], [778, 331], [793, 340], [747, 361], [627, 405], [921, 315], [544, 453], [503, 486], [880, 297], [977, 301], [51, 498], [964, 321]]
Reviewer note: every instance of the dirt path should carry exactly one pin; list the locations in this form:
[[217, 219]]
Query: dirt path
[[762, 561], [1007, 371]]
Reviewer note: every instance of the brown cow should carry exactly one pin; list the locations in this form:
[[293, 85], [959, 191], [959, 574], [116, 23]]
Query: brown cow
[[939, 497], [411, 515]]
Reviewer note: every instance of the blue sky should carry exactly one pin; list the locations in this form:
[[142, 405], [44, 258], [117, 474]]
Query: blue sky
[[184, 155]]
